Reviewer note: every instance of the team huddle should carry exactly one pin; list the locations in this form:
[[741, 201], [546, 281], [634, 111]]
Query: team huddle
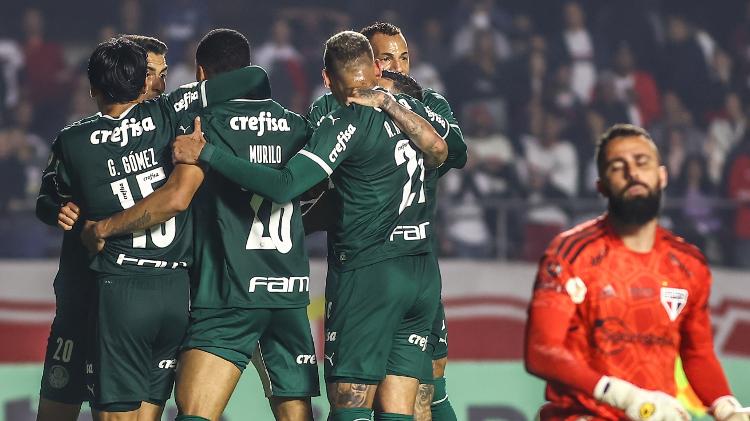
[[184, 255]]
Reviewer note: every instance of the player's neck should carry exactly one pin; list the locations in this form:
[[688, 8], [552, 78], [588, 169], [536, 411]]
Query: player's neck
[[115, 110], [638, 238]]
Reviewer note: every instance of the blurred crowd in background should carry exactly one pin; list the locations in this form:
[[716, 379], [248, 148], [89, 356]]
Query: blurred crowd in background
[[532, 83]]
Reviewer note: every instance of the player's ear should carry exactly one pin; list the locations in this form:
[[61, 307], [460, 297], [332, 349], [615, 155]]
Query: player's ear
[[378, 69], [326, 78], [601, 188], [200, 73], [663, 179]]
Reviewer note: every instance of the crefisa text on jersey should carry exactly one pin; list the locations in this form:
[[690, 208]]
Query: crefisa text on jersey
[[129, 127]]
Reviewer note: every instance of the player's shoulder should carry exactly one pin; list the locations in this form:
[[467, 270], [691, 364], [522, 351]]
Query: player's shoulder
[[569, 245], [76, 128], [681, 248]]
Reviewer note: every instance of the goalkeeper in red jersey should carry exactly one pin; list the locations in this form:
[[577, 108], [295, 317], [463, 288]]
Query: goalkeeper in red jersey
[[618, 299]]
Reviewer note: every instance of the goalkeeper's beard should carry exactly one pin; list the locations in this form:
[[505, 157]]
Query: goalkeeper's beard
[[635, 210]]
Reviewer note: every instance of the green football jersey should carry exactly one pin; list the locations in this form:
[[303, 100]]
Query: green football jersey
[[380, 182], [249, 251], [435, 104], [105, 164]]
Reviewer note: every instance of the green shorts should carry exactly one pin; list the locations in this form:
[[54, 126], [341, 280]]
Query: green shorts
[[438, 342], [285, 357], [378, 319], [63, 378], [138, 325]]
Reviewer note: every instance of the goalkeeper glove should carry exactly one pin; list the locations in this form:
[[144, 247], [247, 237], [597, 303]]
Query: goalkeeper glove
[[639, 404], [727, 408]]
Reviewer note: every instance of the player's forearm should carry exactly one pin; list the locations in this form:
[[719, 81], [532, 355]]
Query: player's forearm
[[250, 80], [47, 209], [705, 375], [419, 130], [278, 185], [545, 355], [156, 208]]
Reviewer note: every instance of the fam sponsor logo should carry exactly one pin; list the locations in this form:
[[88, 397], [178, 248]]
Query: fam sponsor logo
[[280, 284], [342, 139], [330, 336], [411, 232], [259, 124], [129, 128]]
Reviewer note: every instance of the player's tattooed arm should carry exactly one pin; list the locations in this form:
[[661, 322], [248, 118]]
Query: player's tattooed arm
[[419, 130]]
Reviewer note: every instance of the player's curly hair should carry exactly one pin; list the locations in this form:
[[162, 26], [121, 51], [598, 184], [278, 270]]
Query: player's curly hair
[[404, 84], [117, 70], [380, 28], [614, 132], [344, 48], [222, 50]]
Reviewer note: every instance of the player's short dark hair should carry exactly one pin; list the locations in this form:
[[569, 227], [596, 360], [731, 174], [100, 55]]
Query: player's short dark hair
[[117, 70], [404, 84], [344, 48], [612, 133], [380, 28], [222, 50], [150, 44]]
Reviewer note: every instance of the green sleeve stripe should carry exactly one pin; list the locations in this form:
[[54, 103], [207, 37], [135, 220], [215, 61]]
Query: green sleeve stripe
[[317, 160]]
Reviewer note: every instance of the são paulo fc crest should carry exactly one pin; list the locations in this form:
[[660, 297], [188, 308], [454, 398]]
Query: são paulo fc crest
[[673, 300]]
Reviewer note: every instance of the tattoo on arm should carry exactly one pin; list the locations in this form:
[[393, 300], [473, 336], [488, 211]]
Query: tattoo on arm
[[409, 124], [351, 395], [417, 128], [141, 223], [422, 411]]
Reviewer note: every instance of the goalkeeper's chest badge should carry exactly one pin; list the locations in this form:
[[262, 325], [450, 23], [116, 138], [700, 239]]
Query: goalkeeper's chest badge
[[673, 300]]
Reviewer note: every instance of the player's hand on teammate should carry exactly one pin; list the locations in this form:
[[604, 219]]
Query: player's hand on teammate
[[90, 239], [727, 408], [187, 148], [369, 97], [68, 215], [639, 404]]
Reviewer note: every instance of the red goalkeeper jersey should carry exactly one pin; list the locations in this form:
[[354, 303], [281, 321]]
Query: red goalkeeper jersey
[[619, 313]]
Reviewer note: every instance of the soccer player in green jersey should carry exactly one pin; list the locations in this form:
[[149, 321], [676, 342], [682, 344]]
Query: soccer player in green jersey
[[392, 53], [379, 316], [63, 378], [105, 163], [251, 272]]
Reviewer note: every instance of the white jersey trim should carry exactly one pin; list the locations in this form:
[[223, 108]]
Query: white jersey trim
[[317, 160]]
